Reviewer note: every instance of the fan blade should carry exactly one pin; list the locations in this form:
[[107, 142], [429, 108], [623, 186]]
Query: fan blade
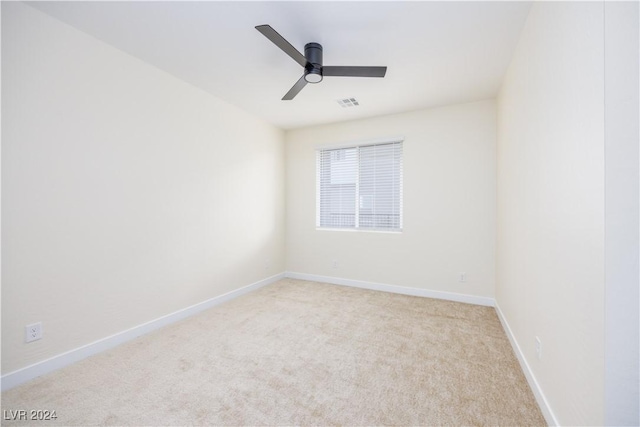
[[280, 41], [354, 71], [295, 89]]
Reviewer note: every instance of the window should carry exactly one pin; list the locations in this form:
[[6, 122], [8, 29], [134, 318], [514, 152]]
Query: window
[[360, 187]]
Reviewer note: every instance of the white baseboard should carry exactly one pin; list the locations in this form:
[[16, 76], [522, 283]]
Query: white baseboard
[[451, 296], [549, 416], [30, 372]]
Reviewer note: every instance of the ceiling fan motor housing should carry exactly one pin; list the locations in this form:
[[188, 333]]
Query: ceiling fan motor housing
[[313, 69]]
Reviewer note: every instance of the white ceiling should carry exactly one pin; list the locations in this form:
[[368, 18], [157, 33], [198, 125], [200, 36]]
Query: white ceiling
[[437, 53]]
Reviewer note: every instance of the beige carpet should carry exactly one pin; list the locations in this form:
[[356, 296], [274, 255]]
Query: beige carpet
[[299, 352]]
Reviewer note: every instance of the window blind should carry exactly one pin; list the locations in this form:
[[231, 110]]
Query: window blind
[[360, 187]]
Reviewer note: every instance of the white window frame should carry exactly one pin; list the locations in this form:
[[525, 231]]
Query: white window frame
[[355, 144]]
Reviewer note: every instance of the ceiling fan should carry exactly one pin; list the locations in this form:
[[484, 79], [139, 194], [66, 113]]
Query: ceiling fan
[[314, 71]]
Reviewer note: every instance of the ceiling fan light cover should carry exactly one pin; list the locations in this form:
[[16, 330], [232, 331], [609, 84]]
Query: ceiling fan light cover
[[313, 76]]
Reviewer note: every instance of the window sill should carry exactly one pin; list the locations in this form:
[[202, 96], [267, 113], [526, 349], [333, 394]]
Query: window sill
[[360, 230]]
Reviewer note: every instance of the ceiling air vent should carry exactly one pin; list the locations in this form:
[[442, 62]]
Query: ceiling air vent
[[348, 102]]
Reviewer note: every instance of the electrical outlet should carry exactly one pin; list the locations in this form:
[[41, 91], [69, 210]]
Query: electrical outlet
[[334, 263], [33, 332], [538, 348], [267, 265], [462, 277]]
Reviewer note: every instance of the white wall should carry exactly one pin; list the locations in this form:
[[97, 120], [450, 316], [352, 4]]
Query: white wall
[[449, 203], [126, 194], [622, 306], [551, 165]]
